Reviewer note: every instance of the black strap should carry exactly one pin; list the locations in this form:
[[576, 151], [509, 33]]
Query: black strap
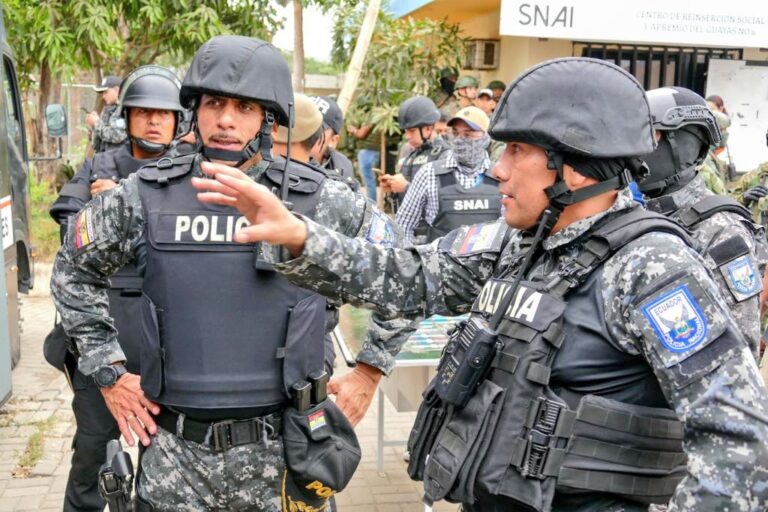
[[77, 190], [708, 207], [221, 435]]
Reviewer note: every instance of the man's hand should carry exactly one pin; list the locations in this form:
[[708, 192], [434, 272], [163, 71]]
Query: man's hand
[[91, 119], [99, 186], [127, 403], [354, 391], [393, 183], [270, 220]]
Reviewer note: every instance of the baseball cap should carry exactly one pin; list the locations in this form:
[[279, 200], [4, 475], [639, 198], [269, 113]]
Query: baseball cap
[[332, 116], [306, 120], [473, 116], [108, 82], [485, 92]]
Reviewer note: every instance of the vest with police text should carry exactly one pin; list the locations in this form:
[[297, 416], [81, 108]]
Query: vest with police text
[[221, 328]]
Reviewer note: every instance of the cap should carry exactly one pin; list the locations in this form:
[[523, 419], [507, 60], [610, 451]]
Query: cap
[[473, 116], [306, 120], [108, 82], [485, 92], [332, 116], [496, 84]]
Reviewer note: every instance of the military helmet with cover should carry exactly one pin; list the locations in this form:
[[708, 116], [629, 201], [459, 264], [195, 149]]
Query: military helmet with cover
[[688, 128], [467, 81], [244, 68], [152, 87], [417, 111], [587, 113]]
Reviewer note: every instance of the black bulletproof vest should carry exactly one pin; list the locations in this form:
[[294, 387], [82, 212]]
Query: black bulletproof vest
[[518, 439], [417, 158], [221, 328], [459, 206]]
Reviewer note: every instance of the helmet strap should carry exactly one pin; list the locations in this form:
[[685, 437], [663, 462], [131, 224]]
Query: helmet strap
[[153, 148], [425, 143], [262, 143]]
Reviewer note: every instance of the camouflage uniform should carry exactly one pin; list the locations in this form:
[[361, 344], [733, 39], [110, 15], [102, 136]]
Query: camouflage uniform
[[449, 105], [722, 227], [243, 477], [747, 181], [727, 450], [714, 174], [109, 131]]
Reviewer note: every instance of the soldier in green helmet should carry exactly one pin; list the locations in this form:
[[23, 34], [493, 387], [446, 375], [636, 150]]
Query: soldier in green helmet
[[713, 170]]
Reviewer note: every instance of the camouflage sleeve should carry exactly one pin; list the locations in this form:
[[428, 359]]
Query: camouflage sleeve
[[661, 303], [111, 129], [443, 277], [744, 183], [99, 241], [712, 179]]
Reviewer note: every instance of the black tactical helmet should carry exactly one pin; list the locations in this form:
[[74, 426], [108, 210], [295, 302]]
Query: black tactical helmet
[[675, 107], [240, 67], [688, 129], [153, 87], [584, 106], [417, 111], [585, 112]]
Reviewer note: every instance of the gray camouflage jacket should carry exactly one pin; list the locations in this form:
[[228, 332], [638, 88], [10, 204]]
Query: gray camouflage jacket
[[740, 280], [727, 448], [116, 223]]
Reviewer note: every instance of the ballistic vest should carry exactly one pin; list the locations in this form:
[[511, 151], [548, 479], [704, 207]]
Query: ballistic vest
[[125, 285], [526, 433], [413, 162], [221, 328], [459, 206]]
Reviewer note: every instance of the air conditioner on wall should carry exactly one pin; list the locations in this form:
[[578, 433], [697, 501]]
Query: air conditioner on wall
[[482, 54]]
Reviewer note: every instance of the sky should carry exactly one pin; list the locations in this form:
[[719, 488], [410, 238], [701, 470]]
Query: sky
[[317, 32]]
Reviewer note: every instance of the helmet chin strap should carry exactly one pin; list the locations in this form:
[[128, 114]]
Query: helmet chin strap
[[262, 143], [153, 148], [560, 196]]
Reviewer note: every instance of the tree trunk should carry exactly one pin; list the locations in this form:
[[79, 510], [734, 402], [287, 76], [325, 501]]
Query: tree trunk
[[41, 144], [298, 46], [358, 56]]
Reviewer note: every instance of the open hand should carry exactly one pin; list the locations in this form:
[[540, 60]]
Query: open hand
[[131, 409], [354, 391]]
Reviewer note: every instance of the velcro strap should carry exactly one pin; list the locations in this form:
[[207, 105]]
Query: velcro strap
[[554, 461], [452, 442], [728, 250], [565, 422], [538, 373], [505, 362], [630, 457], [517, 451], [438, 474], [625, 421], [554, 335], [119, 282], [654, 489]]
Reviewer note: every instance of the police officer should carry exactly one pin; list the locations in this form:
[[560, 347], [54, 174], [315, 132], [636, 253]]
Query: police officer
[[456, 190], [416, 117], [150, 105], [733, 247], [227, 344], [331, 160], [604, 369], [107, 130]]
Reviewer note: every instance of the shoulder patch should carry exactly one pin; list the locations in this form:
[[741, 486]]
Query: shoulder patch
[[677, 319], [84, 233], [380, 230], [478, 238], [742, 277]]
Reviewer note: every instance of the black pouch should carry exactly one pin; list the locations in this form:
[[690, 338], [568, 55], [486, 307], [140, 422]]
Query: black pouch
[[429, 420], [321, 455], [60, 352]]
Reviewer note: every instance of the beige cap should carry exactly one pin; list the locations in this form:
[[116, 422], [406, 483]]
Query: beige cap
[[473, 116], [307, 119]]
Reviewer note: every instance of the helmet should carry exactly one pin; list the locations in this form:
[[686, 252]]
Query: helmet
[[576, 105], [496, 84], [417, 111], [245, 68], [689, 129], [467, 81], [240, 67], [153, 87], [675, 107]]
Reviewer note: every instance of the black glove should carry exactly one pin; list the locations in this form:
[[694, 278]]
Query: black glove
[[755, 193]]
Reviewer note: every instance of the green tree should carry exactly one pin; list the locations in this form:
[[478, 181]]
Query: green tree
[[55, 39]]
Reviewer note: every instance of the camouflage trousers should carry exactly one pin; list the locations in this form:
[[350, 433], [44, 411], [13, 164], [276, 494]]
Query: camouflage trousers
[[179, 475]]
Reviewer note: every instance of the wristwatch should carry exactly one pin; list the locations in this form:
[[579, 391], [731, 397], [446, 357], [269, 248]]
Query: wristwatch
[[106, 376]]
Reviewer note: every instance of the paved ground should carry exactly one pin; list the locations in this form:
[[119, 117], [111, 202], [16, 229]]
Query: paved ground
[[39, 415]]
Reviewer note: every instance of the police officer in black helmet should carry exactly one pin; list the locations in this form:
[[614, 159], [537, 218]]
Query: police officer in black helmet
[[149, 100], [417, 118], [230, 408], [325, 153], [600, 368]]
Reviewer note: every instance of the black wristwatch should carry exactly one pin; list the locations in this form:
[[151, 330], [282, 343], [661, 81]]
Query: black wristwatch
[[106, 376]]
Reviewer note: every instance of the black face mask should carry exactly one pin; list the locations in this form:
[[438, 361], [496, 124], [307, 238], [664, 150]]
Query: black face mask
[[447, 85], [673, 165]]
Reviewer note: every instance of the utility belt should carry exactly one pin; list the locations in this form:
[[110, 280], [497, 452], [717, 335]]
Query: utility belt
[[221, 435]]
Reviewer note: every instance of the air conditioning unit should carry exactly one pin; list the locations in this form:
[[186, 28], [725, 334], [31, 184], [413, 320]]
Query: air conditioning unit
[[482, 54]]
